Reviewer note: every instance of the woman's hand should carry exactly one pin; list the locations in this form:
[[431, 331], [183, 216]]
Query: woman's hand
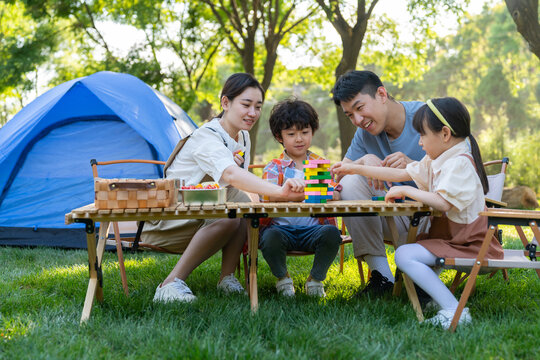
[[293, 189], [238, 157]]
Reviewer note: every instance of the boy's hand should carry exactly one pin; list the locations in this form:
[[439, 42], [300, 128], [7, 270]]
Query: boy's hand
[[238, 157], [293, 189]]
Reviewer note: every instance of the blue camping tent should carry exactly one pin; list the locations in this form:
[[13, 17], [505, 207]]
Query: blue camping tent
[[45, 151]]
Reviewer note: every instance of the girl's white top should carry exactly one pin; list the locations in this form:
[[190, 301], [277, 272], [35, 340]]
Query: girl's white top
[[209, 152], [455, 179]]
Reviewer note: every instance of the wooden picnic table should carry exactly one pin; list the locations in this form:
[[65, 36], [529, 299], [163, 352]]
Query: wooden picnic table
[[252, 211]]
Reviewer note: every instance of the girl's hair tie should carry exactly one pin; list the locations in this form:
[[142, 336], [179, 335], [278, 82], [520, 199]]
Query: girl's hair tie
[[439, 115]]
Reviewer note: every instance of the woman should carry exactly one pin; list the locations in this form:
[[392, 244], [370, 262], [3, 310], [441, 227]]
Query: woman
[[214, 151]]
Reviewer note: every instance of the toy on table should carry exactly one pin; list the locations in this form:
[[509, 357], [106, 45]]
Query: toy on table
[[381, 198], [318, 181]]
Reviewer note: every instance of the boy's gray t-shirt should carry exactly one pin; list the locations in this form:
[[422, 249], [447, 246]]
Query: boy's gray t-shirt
[[364, 143]]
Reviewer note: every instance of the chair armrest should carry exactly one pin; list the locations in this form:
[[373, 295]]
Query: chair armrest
[[495, 203]]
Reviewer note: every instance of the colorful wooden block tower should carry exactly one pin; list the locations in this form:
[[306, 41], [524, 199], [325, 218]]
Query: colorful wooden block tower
[[318, 181]]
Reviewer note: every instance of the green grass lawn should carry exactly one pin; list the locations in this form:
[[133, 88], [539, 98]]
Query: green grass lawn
[[42, 293]]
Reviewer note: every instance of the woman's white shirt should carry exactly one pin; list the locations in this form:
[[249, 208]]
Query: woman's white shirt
[[453, 177], [209, 150]]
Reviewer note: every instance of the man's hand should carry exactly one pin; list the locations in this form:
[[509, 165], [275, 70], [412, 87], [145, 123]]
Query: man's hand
[[373, 160], [396, 160]]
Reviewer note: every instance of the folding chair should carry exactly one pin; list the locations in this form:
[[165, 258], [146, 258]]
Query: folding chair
[[128, 242], [493, 200], [496, 183], [513, 259]]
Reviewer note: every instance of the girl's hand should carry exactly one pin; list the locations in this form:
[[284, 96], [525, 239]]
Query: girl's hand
[[340, 169], [238, 157], [373, 160], [397, 192], [293, 189]]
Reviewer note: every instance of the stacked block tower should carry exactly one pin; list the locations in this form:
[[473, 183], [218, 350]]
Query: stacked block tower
[[318, 181]]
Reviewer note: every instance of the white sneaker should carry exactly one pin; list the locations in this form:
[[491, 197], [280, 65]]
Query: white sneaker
[[444, 318], [285, 287], [230, 285], [315, 288], [174, 291]]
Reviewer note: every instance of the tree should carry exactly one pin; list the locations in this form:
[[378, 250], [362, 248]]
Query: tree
[[244, 21], [180, 41], [352, 37], [24, 45], [525, 15]]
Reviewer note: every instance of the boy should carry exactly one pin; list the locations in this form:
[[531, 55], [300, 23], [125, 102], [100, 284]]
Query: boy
[[293, 123]]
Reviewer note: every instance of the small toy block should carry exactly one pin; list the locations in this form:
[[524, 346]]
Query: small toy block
[[320, 161], [320, 177], [317, 185], [398, 200], [310, 166], [311, 201], [241, 153], [377, 198], [326, 181], [320, 197], [314, 181], [309, 188], [314, 193], [308, 172]]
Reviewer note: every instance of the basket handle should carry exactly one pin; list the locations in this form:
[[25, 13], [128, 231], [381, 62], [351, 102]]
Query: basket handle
[[132, 185]]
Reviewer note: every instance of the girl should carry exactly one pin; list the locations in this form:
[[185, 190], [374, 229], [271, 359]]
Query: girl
[[450, 178], [214, 152]]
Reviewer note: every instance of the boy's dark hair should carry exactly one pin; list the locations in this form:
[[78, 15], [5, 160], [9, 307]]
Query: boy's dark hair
[[292, 113], [354, 82], [457, 116], [236, 84]]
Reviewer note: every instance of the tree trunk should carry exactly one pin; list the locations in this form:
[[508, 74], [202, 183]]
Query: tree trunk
[[525, 15], [352, 45]]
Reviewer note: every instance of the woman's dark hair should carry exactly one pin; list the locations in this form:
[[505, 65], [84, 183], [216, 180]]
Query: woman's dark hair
[[292, 113], [354, 82], [457, 116], [236, 84]]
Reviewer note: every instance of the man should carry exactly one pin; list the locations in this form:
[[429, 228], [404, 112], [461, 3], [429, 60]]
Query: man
[[385, 137]]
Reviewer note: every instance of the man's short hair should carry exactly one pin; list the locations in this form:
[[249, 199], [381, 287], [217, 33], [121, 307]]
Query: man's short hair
[[354, 82], [292, 113]]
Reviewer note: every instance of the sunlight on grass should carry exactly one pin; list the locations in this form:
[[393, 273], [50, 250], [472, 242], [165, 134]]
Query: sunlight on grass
[[14, 328]]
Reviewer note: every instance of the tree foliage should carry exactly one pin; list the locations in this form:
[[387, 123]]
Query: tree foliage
[[259, 26]]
